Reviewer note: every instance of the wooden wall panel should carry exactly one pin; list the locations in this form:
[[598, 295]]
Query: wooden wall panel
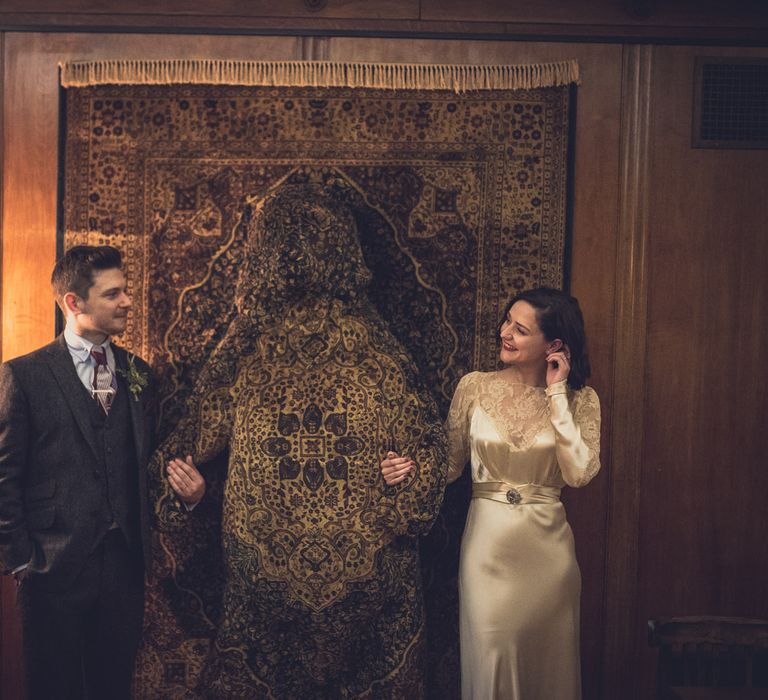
[[30, 171], [30, 100], [635, 20], [29, 196], [600, 12], [381, 9], [701, 479], [631, 274], [31, 145], [10, 659], [703, 549], [594, 236]]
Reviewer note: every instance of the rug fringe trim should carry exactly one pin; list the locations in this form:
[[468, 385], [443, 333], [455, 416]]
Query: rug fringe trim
[[398, 76]]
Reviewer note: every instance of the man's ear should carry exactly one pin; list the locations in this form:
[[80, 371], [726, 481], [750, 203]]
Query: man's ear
[[72, 304]]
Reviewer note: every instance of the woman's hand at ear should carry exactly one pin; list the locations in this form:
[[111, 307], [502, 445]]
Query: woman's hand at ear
[[558, 365]]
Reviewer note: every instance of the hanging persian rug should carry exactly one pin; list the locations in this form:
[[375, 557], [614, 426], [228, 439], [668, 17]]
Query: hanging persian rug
[[452, 182]]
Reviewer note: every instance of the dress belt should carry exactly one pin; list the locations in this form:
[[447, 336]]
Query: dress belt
[[522, 494]]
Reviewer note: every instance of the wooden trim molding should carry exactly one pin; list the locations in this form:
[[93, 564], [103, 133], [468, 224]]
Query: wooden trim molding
[[314, 48], [2, 201], [710, 34], [4, 599], [629, 372], [10, 638]]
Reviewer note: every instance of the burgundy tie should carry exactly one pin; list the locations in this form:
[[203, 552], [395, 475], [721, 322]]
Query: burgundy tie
[[103, 381]]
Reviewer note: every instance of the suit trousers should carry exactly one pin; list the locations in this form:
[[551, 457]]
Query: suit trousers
[[80, 643]]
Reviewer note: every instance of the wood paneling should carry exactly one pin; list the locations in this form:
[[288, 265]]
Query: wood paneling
[[10, 659], [703, 549], [29, 196], [30, 164], [631, 273], [590, 20], [108, 11], [2, 160], [670, 13], [30, 100], [682, 381], [28, 311], [337, 9], [593, 259]]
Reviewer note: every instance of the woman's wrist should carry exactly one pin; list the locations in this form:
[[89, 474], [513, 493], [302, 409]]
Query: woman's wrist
[[556, 388]]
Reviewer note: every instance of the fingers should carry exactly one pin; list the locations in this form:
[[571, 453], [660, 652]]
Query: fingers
[[180, 482], [186, 467], [398, 475], [395, 469], [179, 470], [558, 367], [560, 358], [394, 463], [186, 480]]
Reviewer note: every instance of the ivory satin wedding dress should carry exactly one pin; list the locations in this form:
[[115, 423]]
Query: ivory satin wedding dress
[[519, 582]]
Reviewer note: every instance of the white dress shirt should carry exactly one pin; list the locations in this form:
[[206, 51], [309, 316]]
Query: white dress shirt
[[80, 350]]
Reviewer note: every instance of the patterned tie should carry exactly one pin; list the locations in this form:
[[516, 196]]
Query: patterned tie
[[103, 381]]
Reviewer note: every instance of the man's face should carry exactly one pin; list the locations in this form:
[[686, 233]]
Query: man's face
[[105, 310]]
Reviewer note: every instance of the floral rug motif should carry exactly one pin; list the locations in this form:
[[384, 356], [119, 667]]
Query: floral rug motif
[[459, 201]]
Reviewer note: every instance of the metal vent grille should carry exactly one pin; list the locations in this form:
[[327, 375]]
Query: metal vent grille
[[731, 103]]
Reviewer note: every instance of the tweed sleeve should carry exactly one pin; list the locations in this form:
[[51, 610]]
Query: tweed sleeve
[[204, 431], [15, 545], [410, 508]]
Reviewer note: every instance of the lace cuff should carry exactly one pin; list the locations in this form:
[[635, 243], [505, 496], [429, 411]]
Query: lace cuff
[[557, 388]]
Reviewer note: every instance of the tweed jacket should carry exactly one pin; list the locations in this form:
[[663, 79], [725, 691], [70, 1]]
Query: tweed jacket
[[49, 461]]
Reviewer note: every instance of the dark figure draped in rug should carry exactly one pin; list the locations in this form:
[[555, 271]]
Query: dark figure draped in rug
[[308, 389]]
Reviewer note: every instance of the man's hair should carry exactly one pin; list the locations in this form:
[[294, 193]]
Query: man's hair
[[73, 272]]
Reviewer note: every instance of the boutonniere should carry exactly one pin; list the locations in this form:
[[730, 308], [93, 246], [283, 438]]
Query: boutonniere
[[137, 380]]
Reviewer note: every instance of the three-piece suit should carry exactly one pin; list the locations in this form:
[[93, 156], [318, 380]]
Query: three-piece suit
[[74, 512]]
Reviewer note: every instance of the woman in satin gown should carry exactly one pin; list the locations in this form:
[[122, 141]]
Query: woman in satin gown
[[527, 430]]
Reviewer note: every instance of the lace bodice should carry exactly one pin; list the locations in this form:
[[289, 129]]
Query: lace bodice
[[520, 434]]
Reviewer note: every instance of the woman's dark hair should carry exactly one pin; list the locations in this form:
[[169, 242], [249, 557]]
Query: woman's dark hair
[[73, 272], [559, 316]]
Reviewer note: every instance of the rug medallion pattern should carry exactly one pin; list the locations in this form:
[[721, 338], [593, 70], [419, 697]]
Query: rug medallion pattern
[[458, 201]]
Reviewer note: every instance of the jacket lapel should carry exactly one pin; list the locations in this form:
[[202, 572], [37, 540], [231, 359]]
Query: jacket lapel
[[136, 408], [63, 369]]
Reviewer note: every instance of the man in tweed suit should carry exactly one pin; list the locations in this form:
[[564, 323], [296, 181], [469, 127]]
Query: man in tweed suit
[[76, 433]]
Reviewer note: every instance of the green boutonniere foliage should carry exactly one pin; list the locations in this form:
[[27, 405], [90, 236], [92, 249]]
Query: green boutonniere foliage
[[137, 380]]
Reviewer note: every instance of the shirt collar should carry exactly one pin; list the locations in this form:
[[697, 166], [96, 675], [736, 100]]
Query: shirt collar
[[80, 347]]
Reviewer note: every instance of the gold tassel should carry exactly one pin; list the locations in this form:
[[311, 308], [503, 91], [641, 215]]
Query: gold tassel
[[414, 76]]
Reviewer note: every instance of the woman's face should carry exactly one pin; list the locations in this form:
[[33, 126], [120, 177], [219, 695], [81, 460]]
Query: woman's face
[[522, 341]]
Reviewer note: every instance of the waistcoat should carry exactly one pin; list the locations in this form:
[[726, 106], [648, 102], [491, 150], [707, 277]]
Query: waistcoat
[[118, 469]]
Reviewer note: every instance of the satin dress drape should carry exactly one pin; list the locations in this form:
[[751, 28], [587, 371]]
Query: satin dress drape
[[519, 581]]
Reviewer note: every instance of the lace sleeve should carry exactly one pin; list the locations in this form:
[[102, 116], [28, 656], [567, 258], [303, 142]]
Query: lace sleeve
[[577, 432], [457, 427]]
